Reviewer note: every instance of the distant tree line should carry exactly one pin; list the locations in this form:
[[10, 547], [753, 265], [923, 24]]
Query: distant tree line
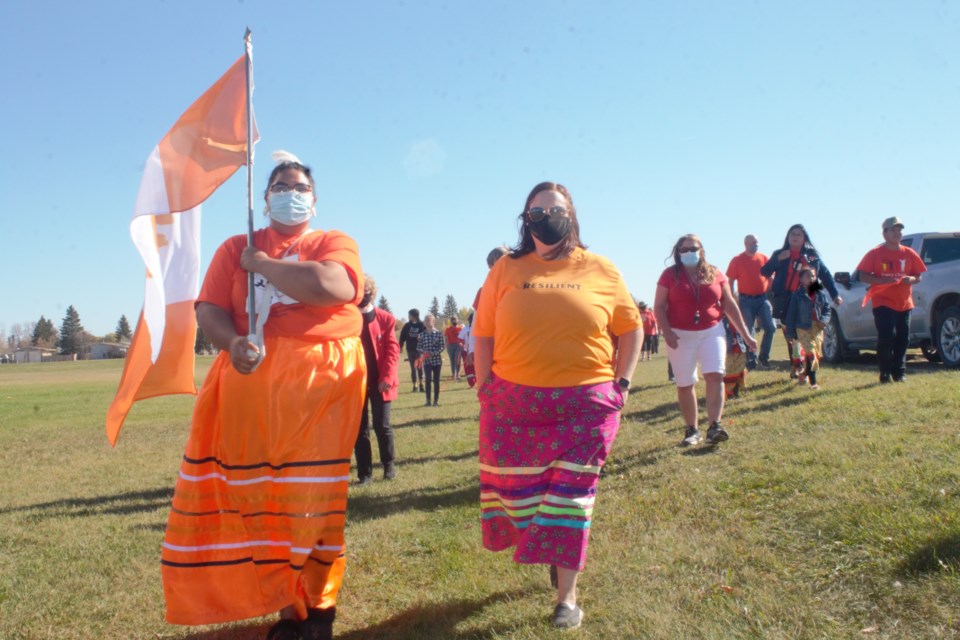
[[71, 338]]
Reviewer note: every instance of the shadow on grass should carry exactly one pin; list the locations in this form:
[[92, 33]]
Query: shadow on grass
[[367, 506], [438, 620], [426, 422], [942, 554], [451, 458], [431, 620], [119, 504]]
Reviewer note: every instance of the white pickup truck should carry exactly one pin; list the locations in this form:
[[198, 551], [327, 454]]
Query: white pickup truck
[[935, 321]]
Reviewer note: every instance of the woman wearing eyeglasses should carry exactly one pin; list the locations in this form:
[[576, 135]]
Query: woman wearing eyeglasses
[[692, 297], [258, 510], [550, 393]]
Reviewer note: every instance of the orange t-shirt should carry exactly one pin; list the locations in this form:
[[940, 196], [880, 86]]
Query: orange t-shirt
[[225, 285], [881, 261], [551, 320], [745, 269]]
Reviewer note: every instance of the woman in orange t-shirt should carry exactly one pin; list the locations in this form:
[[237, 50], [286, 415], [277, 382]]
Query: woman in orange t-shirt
[[550, 396], [258, 510]]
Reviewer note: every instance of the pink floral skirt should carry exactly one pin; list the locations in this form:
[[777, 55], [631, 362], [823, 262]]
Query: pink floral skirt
[[541, 450]]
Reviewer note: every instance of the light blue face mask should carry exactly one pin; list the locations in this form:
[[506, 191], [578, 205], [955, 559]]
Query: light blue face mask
[[291, 207], [690, 259]]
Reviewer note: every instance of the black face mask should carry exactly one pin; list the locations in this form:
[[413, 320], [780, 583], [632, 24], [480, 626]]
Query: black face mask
[[365, 301], [551, 229], [814, 287]]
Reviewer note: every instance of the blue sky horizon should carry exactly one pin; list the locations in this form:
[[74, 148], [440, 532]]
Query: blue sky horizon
[[427, 123]]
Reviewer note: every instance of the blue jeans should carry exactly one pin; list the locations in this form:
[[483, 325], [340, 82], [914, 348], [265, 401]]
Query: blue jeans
[[893, 336], [753, 307]]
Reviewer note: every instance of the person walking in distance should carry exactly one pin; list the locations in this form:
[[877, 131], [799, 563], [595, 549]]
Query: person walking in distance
[[430, 348], [451, 336], [382, 354], [750, 287], [891, 269], [408, 337]]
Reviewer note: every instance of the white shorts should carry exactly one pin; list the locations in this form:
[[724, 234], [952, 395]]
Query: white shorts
[[708, 347]]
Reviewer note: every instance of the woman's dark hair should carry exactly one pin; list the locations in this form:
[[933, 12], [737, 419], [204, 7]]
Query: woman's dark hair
[[415, 313], [283, 166], [807, 243], [525, 244]]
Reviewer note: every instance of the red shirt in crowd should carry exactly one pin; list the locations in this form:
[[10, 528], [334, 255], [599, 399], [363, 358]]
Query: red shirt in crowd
[[684, 300]]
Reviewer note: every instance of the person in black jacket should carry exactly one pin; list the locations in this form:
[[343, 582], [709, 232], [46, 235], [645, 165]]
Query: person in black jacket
[[785, 267], [408, 338]]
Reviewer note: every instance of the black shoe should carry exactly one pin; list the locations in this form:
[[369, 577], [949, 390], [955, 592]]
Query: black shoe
[[690, 437], [285, 630], [389, 472], [436, 403], [428, 404], [716, 433], [421, 388], [364, 481], [319, 624], [900, 378], [763, 364], [884, 378], [415, 389]]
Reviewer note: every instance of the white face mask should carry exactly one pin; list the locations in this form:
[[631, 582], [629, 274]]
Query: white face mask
[[690, 259], [290, 207]]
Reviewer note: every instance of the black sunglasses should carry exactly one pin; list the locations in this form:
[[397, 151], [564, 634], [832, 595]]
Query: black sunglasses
[[536, 214]]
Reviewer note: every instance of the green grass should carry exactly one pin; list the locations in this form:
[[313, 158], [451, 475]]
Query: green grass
[[827, 515]]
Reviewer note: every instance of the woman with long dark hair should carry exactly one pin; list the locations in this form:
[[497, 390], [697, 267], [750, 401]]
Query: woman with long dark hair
[[785, 267], [550, 393]]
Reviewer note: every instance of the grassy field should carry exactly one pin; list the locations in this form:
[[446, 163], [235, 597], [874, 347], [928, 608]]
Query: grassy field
[[830, 514]]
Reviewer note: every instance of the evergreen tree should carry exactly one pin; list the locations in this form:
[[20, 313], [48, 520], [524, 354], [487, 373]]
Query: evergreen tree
[[44, 334], [123, 329], [449, 307], [72, 335], [201, 345], [383, 304], [435, 307]]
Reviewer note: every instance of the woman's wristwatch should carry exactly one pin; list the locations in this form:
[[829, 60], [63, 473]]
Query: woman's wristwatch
[[624, 384]]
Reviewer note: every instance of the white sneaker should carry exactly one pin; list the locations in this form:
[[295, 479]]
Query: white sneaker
[[567, 616]]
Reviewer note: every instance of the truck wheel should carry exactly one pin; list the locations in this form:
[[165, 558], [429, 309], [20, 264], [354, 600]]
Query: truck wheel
[[833, 348], [948, 336]]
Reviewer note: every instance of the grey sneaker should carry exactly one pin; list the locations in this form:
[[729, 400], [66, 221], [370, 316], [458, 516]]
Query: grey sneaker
[[567, 616], [690, 437], [716, 433]]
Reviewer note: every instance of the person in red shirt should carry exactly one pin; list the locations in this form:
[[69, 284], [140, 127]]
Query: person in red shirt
[[381, 351], [649, 330], [692, 297], [751, 291], [892, 269], [454, 346]]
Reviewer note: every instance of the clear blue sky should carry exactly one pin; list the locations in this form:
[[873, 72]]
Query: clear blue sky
[[428, 122]]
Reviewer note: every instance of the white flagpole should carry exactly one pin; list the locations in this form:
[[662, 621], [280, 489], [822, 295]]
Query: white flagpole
[[251, 302]]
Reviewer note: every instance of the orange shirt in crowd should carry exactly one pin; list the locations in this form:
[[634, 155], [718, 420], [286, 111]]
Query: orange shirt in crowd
[[551, 320], [884, 262], [745, 269], [225, 284], [452, 335]]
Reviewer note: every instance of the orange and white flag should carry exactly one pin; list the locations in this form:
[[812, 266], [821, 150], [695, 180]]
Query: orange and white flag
[[199, 153]]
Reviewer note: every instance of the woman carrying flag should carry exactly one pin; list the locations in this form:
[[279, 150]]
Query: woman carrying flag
[[256, 525]]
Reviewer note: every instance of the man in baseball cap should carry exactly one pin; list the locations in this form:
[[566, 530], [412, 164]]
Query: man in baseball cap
[[891, 269]]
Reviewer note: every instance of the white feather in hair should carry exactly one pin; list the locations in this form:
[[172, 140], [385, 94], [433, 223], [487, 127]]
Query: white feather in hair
[[280, 156]]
